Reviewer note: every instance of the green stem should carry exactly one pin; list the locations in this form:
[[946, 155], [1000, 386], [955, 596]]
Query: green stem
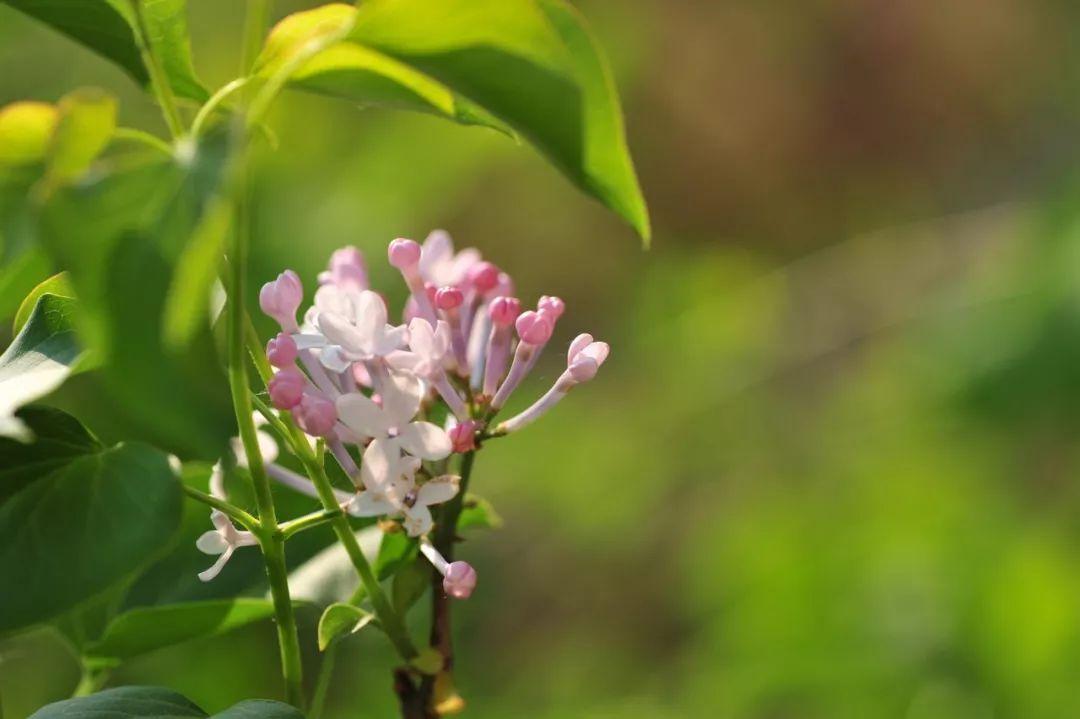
[[213, 103], [229, 510], [90, 681], [129, 134], [158, 81], [308, 521], [389, 619], [322, 685], [270, 539]]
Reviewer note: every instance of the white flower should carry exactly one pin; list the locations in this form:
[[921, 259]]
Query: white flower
[[351, 326], [390, 488], [223, 540], [427, 349], [392, 421], [439, 265]]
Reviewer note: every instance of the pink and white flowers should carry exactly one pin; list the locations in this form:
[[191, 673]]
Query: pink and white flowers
[[369, 388]]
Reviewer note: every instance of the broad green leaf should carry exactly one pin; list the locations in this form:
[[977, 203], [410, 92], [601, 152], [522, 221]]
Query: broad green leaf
[[82, 518], [86, 123], [25, 131], [133, 702], [196, 270], [409, 584], [353, 72], [157, 703], [532, 64], [122, 236], [145, 629], [109, 27], [478, 513], [340, 619], [38, 361], [58, 285]]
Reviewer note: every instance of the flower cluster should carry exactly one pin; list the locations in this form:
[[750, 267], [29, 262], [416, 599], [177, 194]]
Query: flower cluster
[[368, 387]]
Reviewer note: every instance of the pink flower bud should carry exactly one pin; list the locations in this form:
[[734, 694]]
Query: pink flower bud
[[505, 285], [287, 388], [449, 298], [280, 298], [459, 580], [281, 350], [504, 310], [346, 269], [553, 307], [585, 357], [484, 276], [316, 415], [403, 254], [534, 328], [463, 436]]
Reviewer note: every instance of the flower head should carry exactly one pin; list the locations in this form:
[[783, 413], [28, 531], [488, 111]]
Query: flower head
[[392, 421], [440, 265]]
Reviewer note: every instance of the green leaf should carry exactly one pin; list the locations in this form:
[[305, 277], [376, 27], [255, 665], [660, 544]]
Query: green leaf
[[19, 277], [86, 123], [38, 361], [123, 236], [531, 63], [58, 285], [109, 27], [157, 703], [80, 518], [478, 513], [429, 661], [340, 619], [26, 129], [145, 629], [188, 300], [409, 584], [133, 702], [396, 550], [353, 72]]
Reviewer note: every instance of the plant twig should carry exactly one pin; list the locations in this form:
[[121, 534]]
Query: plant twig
[[230, 510]]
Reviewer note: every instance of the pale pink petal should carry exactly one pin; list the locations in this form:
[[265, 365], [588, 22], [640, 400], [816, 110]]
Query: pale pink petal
[[417, 520], [438, 490], [333, 359], [362, 415], [425, 440], [401, 399], [216, 568], [211, 542], [380, 463], [580, 342], [370, 504]]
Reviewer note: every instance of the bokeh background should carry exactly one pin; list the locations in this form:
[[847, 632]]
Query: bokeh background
[[830, 470]]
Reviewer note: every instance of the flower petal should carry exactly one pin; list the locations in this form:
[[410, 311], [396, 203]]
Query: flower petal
[[333, 359], [340, 331], [401, 399], [370, 504], [305, 341], [360, 414], [380, 465], [425, 440], [211, 542], [216, 568], [438, 490], [389, 338], [417, 520]]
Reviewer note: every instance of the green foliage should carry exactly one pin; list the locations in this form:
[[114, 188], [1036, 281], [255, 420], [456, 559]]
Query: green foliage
[[339, 620], [112, 29], [79, 517], [145, 629], [40, 358], [86, 123], [122, 237], [410, 582], [478, 513], [157, 703], [58, 285], [533, 66]]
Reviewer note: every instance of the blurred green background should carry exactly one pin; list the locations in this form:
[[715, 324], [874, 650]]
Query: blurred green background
[[829, 470]]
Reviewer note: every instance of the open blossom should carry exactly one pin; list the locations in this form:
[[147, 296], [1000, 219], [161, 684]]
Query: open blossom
[[393, 419], [224, 538], [352, 327], [440, 265], [390, 488]]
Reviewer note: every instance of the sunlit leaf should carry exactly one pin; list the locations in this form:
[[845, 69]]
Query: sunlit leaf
[[340, 619], [146, 629], [109, 27], [86, 122], [478, 513], [531, 64], [351, 71], [58, 285], [82, 517], [38, 361]]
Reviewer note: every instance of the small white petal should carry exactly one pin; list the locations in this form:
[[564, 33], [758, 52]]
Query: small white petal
[[215, 570], [211, 542], [340, 331], [333, 359], [380, 465], [425, 440], [370, 504], [403, 361], [309, 341], [389, 338], [417, 520], [362, 415], [438, 490], [401, 399]]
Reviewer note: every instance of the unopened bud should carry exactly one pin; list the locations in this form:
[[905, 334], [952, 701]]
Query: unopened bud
[[533, 328], [553, 307], [459, 580], [449, 298], [281, 350], [463, 436], [287, 388], [484, 276], [403, 254], [504, 310], [316, 415], [281, 297]]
